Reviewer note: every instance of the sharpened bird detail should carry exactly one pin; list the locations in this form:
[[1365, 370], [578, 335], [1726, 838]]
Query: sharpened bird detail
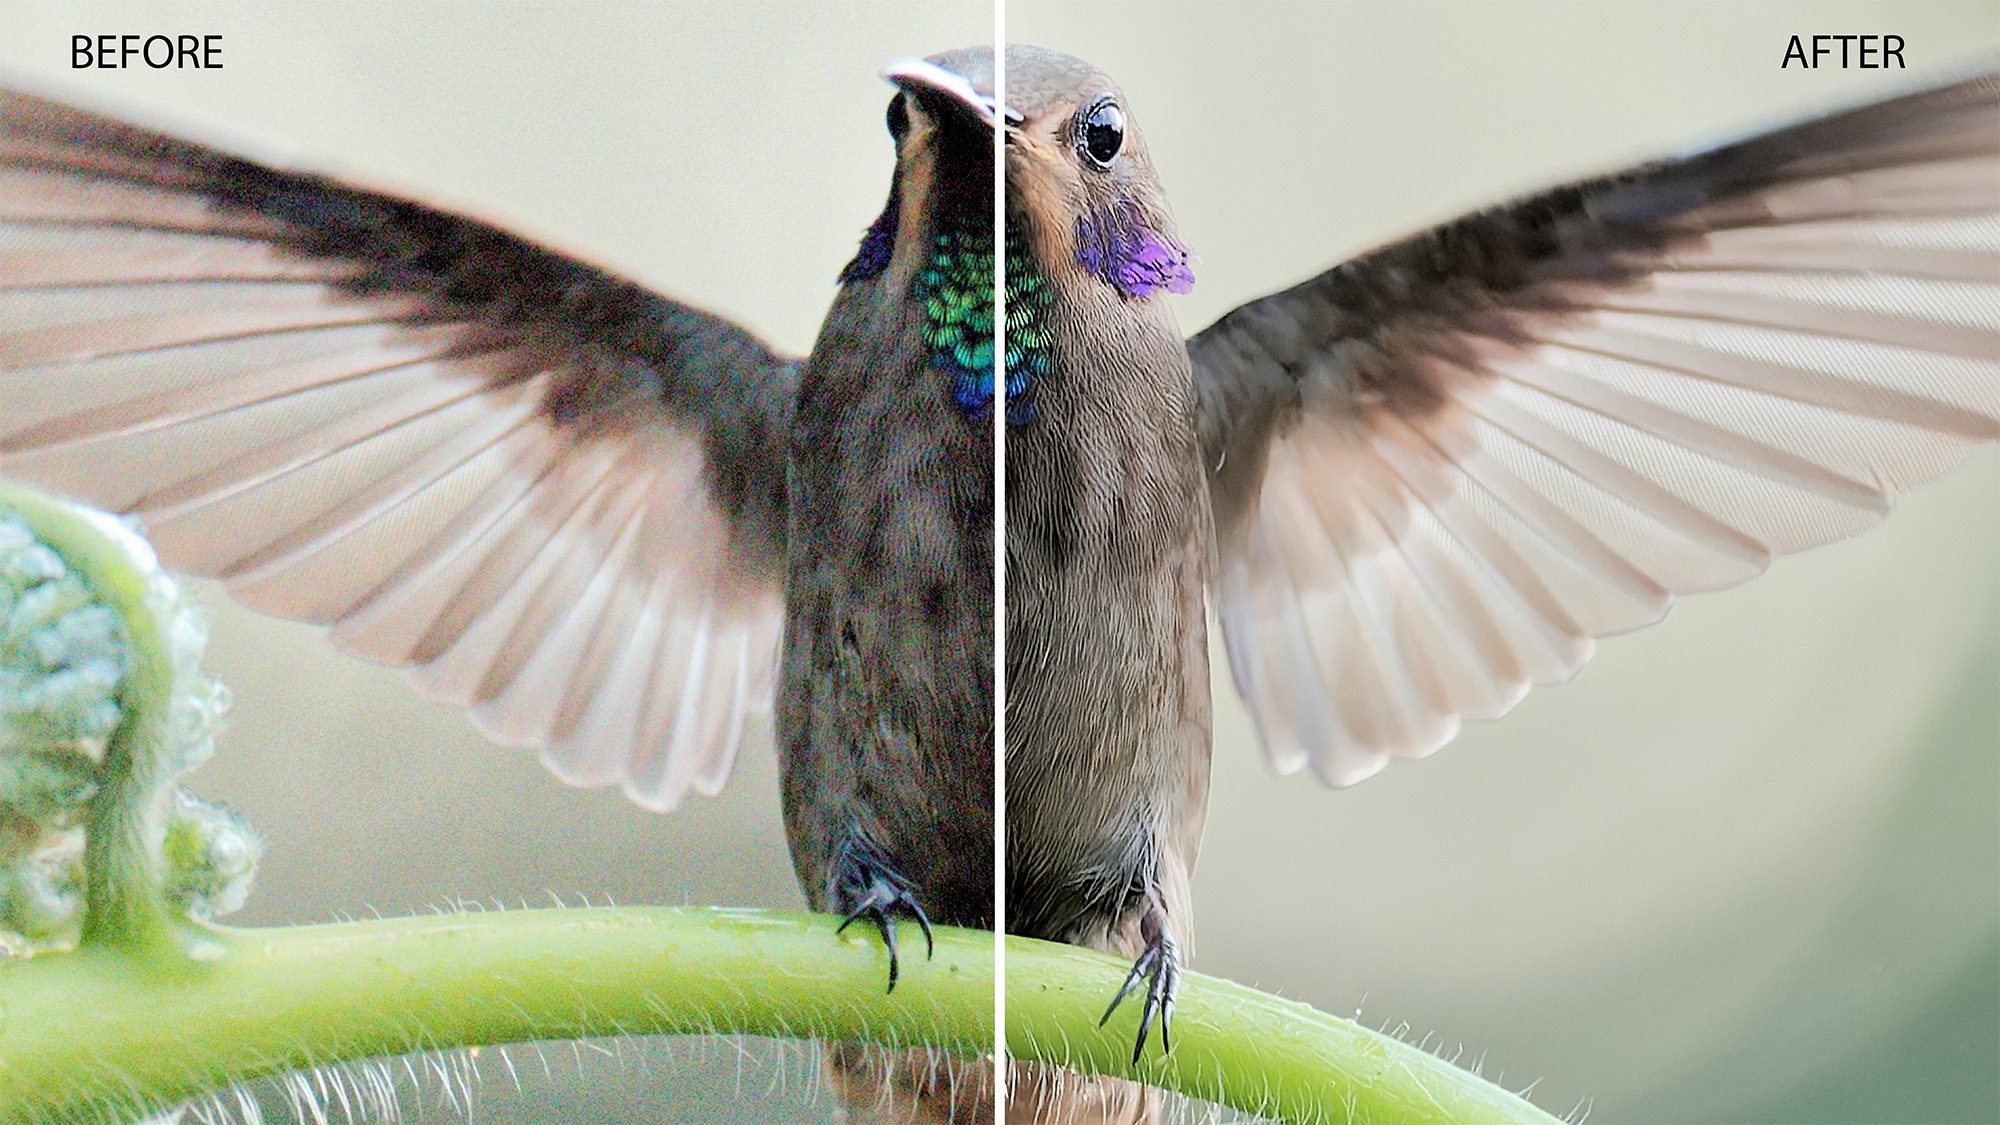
[[1029, 355], [1428, 478], [1107, 545]]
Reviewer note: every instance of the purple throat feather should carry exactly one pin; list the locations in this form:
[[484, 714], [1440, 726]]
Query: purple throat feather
[[1120, 248]]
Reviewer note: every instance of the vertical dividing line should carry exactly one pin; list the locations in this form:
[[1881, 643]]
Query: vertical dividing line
[[1000, 565]]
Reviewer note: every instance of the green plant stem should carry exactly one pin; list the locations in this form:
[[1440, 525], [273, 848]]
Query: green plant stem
[[152, 1009], [1243, 1048], [124, 903], [98, 1030]]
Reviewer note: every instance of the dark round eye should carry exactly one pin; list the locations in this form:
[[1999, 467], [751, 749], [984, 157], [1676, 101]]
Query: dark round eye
[[899, 117], [1100, 132]]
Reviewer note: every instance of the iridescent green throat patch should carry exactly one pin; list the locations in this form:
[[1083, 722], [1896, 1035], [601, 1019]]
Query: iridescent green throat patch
[[1030, 356], [956, 291]]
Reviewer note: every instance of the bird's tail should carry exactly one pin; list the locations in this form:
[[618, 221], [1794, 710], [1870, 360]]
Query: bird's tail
[[909, 1086], [880, 1086], [1043, 1095]]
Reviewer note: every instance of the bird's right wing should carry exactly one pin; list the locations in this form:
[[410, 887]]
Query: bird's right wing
[[1441, 469], [556, 495]]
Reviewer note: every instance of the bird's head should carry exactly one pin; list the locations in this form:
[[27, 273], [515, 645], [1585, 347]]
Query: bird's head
[[1080, 185], [931, 249], [942, 118]]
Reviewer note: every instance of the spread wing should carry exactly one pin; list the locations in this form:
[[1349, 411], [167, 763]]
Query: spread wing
[[1441, 469], [555, 495]]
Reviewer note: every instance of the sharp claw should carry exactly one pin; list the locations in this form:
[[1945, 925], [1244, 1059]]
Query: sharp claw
[[885, 893], [889, 940], [923, 923], [1157, 967], [1132, 980], [1145, 1025]]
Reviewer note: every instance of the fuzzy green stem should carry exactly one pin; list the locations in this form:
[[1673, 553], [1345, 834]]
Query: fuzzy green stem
[[97, 1031], [124, 902], [152, 1008], [1243, 1048]]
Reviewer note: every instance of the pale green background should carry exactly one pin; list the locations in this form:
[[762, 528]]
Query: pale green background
[[1747, 867]]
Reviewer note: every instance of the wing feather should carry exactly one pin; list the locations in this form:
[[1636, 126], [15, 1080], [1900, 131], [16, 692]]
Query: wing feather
[[1440, 470], [468, 454]]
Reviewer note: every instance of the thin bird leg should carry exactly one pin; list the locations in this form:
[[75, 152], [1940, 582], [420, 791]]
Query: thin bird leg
[[863, 885], [1159, 966]]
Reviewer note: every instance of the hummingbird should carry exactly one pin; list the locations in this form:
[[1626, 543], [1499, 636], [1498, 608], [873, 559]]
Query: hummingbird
[[1428, 478], [608, 523]]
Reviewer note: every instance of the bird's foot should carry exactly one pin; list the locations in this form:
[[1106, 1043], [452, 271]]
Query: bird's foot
[[1160, 968], [865, 886]]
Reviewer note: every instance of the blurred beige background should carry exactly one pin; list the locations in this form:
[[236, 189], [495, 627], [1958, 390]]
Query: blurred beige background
[[1747, 866]]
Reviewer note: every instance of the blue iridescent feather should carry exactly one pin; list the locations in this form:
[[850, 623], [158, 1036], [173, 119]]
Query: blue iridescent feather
[[955, 290]]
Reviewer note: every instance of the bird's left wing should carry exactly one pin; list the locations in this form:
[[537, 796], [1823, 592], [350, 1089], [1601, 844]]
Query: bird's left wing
[[1441, 469], [557, 496]]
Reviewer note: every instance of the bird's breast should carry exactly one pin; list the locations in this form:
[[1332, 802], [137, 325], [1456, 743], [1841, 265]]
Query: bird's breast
[[1107, 556], [885, 712]]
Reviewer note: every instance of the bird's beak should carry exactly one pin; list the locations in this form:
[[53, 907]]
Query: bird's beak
[[940, 85]]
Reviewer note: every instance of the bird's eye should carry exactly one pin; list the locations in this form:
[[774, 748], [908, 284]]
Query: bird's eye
[[899, 117], [1100, 132]]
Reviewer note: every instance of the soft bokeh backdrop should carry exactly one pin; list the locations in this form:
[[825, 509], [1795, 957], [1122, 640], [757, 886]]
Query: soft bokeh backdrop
[[1746, 867]]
